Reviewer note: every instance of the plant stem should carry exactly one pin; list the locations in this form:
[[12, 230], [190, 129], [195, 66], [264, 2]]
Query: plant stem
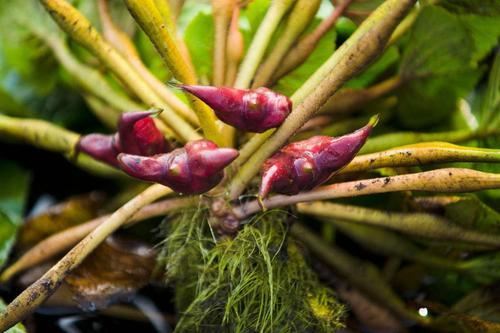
[[260, 42], [306, 45], [446, 180], [221, 10], [349, 100], [149, 18], [122, 42], [58, 242], [301, 15], [235, 48], [355, 54], [359, 273], [91, 80], [104, 112], [45, 135], [391, 244], [414, 224], [420, 154], [39, 133], [40, 290], [81, 30], [387, 141]]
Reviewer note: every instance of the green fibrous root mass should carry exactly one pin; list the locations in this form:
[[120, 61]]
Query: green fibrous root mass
[[255, 282]]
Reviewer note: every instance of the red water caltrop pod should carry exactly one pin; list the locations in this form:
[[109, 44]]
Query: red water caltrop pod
[[303, 165], [193, 169], [137, 134], [254, 110]]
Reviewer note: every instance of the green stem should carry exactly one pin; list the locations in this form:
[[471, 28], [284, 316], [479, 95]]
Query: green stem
[[363, 275], [301, 15], [448, 180], [387, 141], [106, 114], [421, 154], [221, 11], [391, 244], [414, 224], [306, 45], [122, 42], [260, 42], [81, 30], [91, 80], [40, 290], [355, 54], [149, 18], [45, 135], [349, 100]]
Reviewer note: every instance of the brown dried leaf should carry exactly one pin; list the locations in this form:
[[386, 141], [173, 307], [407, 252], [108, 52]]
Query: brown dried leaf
[[112, 273], [75, 210]]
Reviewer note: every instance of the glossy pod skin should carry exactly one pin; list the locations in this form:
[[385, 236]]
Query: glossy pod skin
[[137, 134], [193, 169], [254, 110], [303, 165]]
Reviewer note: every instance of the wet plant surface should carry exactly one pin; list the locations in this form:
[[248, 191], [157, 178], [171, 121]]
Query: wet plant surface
[[249, 166]]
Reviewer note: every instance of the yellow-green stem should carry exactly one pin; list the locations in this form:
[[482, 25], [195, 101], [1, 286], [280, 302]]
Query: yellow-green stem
[[149, 18], [45, 135], [40, 290], [387, 141], [91, 80], [421, 154], [81, 30], [306, 45], [122, 42], [414, 224], [104, 112], [301, 15], [350, 100], [221, 10], [448, 180], [354, 55], [260, 42]]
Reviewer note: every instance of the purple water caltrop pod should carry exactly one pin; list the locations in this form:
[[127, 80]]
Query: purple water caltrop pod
[[303, 165], [193, 169], [255, 110], [137, 134]]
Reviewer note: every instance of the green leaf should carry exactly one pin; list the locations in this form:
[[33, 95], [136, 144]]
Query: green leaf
[[438, 64], [199, 37], [14, 190], [7, 237], [13, 193], [18, 328], [379, 67], [485, 32], [471, 213], [254, 13], [324, 49], [481, 7]]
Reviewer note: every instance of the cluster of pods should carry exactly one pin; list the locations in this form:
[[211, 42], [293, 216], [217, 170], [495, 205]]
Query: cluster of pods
[[140, 150]]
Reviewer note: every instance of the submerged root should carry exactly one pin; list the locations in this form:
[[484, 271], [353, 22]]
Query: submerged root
[[256, 282]]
